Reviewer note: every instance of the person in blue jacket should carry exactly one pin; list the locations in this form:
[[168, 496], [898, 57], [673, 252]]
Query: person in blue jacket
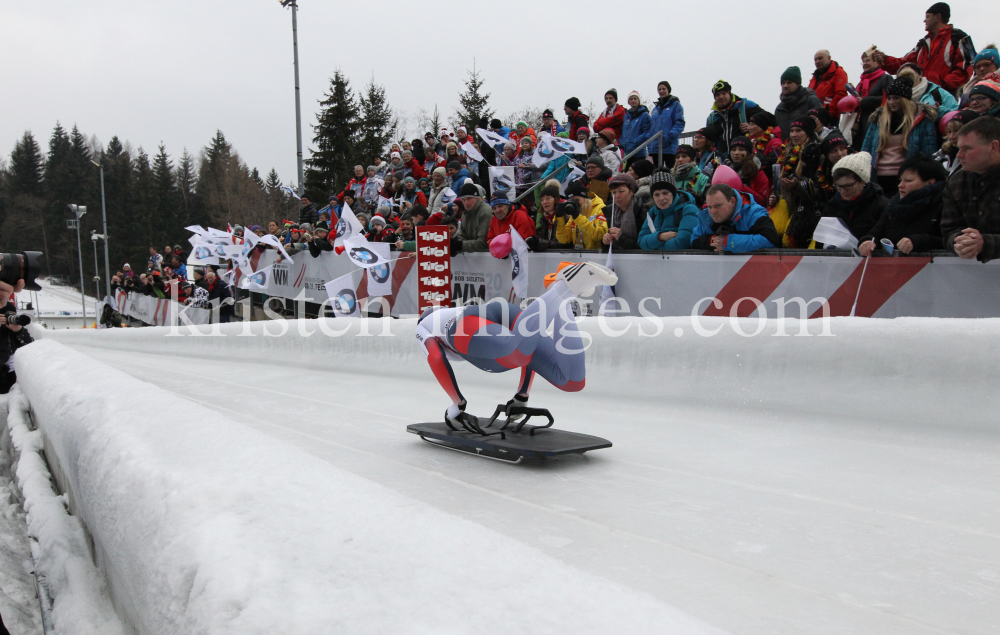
[[636, 128], [733, 223], [668, 117], [672, 219]]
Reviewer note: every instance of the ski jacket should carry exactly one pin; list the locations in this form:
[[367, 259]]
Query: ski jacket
[[614, 120], [636, 128], [748, 229], [680, 217], [830, 86], [667, 117], [945, 57]]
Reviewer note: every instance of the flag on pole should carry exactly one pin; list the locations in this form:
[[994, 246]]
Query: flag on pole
[[361, 253], [269, 239], [289, 190], [257, 279], [380, 276], [491, 137], [343, 298], [518, 264], [348, 226], [471, 151], [832, 232]]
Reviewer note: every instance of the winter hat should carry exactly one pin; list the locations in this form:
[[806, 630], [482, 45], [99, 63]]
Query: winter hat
[[965, 116], [408, 179], [576, 188], [126, 266], [721, 86], [440, 170], [764, 120], [623, 179], [550, 190], [609, 135], [254, 228], [378, 220], [683, 149], [942, 9], [547, 114], [451, 144], [792, 74], [372, 168], [613, 92], [573, 103], [988, 86], [596, 160], [834, 140], [637, 96], [860, 164], [662, 180], [708, 133], [667, 84], [583, 129], [806, 123], [496, 123], [499, 199], [742, 142], [423, 179], [462, 129], [642, 168], [901, 87], [988, 54], [469, 189], [454, 165], [395, 155], [521, 123], [511, 145]]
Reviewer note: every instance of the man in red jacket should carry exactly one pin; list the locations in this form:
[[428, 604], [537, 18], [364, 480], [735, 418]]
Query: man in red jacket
[[945, 53], [614, 115], [505, 217], [576, 118], [829, 82]]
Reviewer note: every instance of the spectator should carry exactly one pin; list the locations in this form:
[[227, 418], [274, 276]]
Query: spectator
[[947, 156], [452, 224], [218, 291], [859, 201], [829, 82], [642, 171], [708, 156], [576, 119], [497, 126], [687, 175], [741, 159], [833, 149], [985, 63], [411, 195], [636, 127], [12, 337], [439, 183], [506, 217], [155, 259], [598, 176], [585, 223], [381, 168], [452, 153], [796, 212], [548, 224], [824, 126], [430, 143], [796, 100], [178, 266], [417, 148], [524, 170], [763, 131], [398, 239], [926, 92], [459, 175], [128, 273], [610, 152], [432, 160], [307, 211], [732, 223], [984, 98], [378, 229], [626, 214], [899, 130], [729, 117], [549, 124], [871, 88], [273, 228], [613, 116], [583, 136], [319, 243], [356, 184], [522, 130], [412, 167], [197, 296], [471, 236], [911, 220], [672, 218], [970, 220], [945, 53], [508, 155], [667, 117]]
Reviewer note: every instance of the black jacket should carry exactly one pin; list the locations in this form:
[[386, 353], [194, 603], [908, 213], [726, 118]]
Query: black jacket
[[917, 217], [318, 246], [861, 214], [309, 214], [220, 293]]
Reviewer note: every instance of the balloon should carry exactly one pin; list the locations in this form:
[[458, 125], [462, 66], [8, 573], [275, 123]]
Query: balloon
[[944, 122], [847, 104], [727, 175], [501, 245]]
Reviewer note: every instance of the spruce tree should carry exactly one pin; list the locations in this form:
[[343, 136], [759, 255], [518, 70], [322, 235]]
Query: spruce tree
[[186, 178], [377, 127], [168, 200], [332, 162], [26, 167], [143, 221], [273, 183], [473, 103], [435, 123]]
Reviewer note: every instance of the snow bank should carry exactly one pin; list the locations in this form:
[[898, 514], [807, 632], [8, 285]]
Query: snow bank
[[203, 525], [81, 605], [914, 367]]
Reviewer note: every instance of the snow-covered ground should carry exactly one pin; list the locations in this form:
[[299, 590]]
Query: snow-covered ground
[[807, 485]]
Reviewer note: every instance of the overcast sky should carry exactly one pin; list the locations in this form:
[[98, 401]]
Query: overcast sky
[[175, 71]]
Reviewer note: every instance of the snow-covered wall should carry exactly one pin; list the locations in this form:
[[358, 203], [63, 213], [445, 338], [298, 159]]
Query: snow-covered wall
[[203, 525]]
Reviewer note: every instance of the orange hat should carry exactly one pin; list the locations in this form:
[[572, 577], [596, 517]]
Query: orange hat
[[550, 278]]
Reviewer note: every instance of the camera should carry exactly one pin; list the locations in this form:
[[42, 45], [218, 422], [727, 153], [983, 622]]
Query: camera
[[23, 266], [17, 320], [569, 208]]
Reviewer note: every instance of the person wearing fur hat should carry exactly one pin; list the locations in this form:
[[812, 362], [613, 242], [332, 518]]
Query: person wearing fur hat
[[610, 152], [585, 221], [636, 126], [984, 98], [672, 218], [576, 119], [744, 163], [625, 215], [668, 118], [899, 130], [796, 100], [859, 201], [687, 176], [549, 123], [729, 116], [613, 116], [549, 224], [987, 61], [945, 53]]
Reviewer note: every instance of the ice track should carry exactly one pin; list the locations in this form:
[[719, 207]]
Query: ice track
[[764, 485]]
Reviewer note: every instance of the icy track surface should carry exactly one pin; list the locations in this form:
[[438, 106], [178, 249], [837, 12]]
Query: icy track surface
[[801, 485]]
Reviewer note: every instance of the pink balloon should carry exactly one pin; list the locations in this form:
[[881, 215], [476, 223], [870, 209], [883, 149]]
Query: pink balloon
[[847, 104], [944, 121], [501, 245], [727, 175]]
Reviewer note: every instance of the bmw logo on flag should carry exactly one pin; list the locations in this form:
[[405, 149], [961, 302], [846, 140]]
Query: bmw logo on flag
[[561, 145], [343, 229], [345, 302], [380, 273], [202, 252], [259, 278], [516, 261], [363, 256]]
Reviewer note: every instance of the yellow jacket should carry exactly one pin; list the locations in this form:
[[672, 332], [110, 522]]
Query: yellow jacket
[[590, 224]]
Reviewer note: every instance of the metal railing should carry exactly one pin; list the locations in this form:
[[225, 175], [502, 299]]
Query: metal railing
[[658, 135]]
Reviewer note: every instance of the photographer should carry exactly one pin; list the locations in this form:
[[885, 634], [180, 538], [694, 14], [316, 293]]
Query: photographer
[[585, 221], [12, 337]]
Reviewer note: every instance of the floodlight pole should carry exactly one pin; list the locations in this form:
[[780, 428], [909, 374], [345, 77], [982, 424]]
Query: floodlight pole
[[298, 104], [79, 211], [104, 218]]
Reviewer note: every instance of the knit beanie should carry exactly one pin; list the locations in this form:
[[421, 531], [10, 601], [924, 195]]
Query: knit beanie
[[547, 113], [942, 9], [667, 84], [596, 160], [583, 129], [988, 86], [637, 96], [860, 164], [965, 116], [792, 74], [378, 220], [685, 149], [440, 170], [609, 135], [764, 120], [834, 140], [642, 168], [708, 133], [822, 114], [662, 180], [901, 87], [469, 189], [806, 123], [520, 123], [988, 54], [613, 92], [499, 199], [576, 188], [742, 142], [550, 190], [496, 123], [720, 86], [454, 165]]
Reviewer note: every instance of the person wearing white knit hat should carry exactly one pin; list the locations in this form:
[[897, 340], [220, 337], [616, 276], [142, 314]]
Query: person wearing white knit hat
[[636, 127], [859, 201], [859, 163]]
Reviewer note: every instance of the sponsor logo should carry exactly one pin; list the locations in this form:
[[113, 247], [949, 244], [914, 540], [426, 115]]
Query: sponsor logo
[[380, 273], [363, 256], [345, 302]]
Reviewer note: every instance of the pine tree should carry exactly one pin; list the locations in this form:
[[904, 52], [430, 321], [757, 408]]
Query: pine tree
[[273, 183], [331, 164], [142, 221], [377, 127], [473, 104], [168, 200], [26, 167], [436, 123], [186, 177], [255, 176]]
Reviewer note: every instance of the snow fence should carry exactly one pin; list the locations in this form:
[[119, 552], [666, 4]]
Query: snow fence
[[203, 525]]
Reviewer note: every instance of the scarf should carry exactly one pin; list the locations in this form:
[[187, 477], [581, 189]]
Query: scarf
[[625, 220], [789, 160], [915, 203], [867, 79], [761, 142], [850, 208], [919, 89]]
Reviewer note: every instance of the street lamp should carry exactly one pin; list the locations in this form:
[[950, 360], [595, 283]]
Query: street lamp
[[97, 268], [104, 217], [298, 106], [74, 223]]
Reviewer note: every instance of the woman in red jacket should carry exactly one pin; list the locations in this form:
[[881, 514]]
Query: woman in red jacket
[[741, 159]]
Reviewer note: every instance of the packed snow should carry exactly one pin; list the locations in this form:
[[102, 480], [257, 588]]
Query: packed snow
[[758, 484]]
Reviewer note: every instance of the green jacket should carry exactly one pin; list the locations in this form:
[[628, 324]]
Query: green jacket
[[474, 227]]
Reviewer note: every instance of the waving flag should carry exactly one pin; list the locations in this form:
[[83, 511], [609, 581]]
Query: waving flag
[[343, 298], [289, 190], [519, 264], [471, 151], [257, 279], [550, 147], [832, 232], [361, 253], [348, 226], [269, 239], [380, 276], [491, 137]]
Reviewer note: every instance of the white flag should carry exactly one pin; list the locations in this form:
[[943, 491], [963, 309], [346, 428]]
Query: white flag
[[257, 279], [196, 229], [348, 226], [502, 180], [832, 232], [519, 264], [343, 297], [550, 147], [491, 137], [290, 191], [380, 276], [448, 196], [362, 253], [575, 175], [471, 151], [218, 233], [269, 239], [203, 254]]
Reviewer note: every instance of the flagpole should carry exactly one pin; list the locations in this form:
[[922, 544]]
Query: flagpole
[[858, 295]]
